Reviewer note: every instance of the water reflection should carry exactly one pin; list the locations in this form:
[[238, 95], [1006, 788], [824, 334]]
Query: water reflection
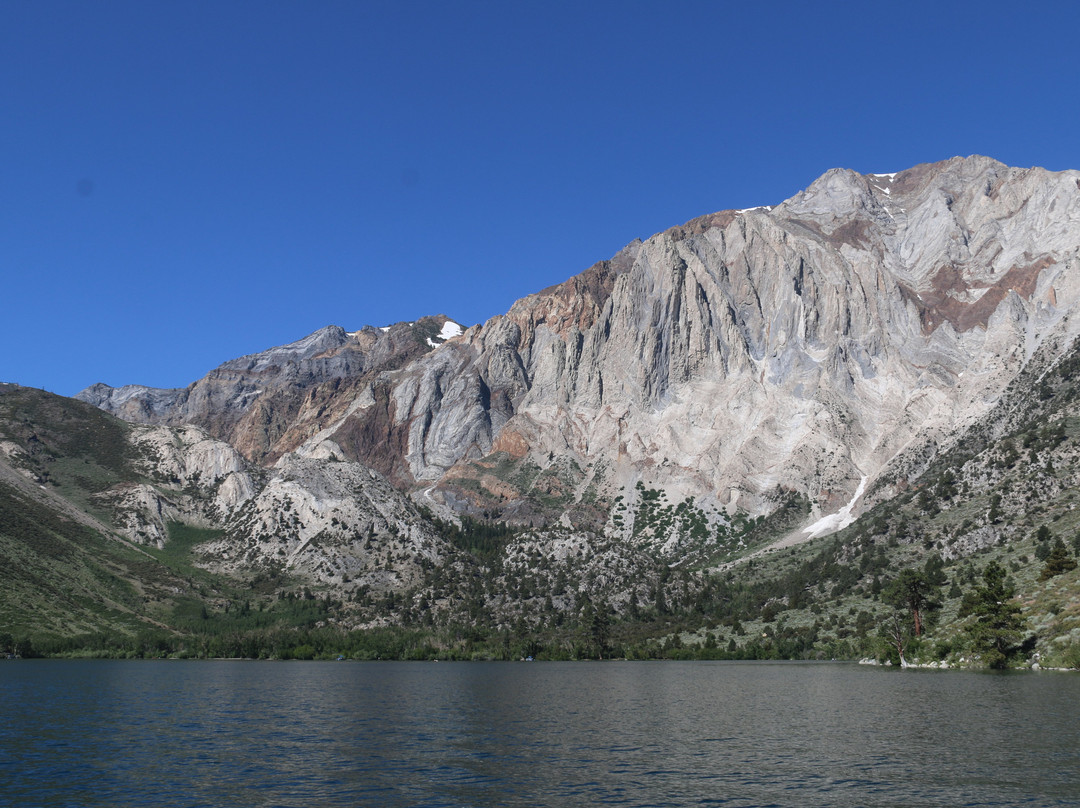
[[438, 734]]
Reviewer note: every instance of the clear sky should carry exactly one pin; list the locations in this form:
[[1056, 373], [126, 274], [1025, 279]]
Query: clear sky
[[182, 183]]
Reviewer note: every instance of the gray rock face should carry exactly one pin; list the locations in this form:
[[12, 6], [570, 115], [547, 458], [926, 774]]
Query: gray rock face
[[320, 517], [806, 347], [195, 479], [817, 346]]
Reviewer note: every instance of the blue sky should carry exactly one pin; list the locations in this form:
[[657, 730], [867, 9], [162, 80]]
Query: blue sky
[[184, 183]]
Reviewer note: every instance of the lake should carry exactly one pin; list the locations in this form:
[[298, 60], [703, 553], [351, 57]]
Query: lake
[[173, 733]]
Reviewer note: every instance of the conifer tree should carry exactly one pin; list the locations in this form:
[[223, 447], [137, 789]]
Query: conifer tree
[[912, 590], [1057, 562], [999, 625]]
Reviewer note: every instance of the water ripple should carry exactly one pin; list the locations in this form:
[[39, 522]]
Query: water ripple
[[415, 734]]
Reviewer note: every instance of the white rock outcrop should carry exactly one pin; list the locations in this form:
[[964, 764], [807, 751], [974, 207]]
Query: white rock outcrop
[[186, 457], [332, 520]]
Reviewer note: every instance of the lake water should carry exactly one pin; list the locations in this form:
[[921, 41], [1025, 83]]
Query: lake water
[[109, 733]]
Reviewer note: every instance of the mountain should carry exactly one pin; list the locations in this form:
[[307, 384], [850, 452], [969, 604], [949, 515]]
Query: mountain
[[816, 347], [804, 348], [66, 570], [264, 404], [740, 428]]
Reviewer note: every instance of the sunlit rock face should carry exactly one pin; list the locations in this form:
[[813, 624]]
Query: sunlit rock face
[[331, 521], [805, 346], [186, 476], [835, 340]]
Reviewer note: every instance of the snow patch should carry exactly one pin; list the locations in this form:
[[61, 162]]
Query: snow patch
[[839, 520], [450, 329], [384, 328]]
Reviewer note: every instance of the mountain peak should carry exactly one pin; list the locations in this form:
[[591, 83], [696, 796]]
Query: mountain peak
[[804, 346]]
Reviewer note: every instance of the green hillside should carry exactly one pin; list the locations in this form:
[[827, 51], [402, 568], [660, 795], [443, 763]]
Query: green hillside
[[992, 521]]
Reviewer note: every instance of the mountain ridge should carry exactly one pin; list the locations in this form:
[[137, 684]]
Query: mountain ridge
[[922, 277]]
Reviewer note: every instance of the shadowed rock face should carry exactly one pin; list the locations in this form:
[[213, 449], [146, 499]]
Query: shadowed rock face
[[267, 403], [806, 346]]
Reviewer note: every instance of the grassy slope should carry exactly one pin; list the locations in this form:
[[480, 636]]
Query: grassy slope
[[63, 577]]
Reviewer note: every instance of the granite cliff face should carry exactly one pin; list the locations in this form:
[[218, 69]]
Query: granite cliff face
[[824, 347], [805, 347]]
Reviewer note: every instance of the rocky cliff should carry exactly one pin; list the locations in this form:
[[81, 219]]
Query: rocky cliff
[[320, 519], [805, 347], [265, 404], [817, 347]]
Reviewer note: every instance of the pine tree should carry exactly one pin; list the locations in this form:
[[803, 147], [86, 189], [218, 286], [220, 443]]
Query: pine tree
[[1057, 562], [912, 590], [999, 626], [1042, 543]]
